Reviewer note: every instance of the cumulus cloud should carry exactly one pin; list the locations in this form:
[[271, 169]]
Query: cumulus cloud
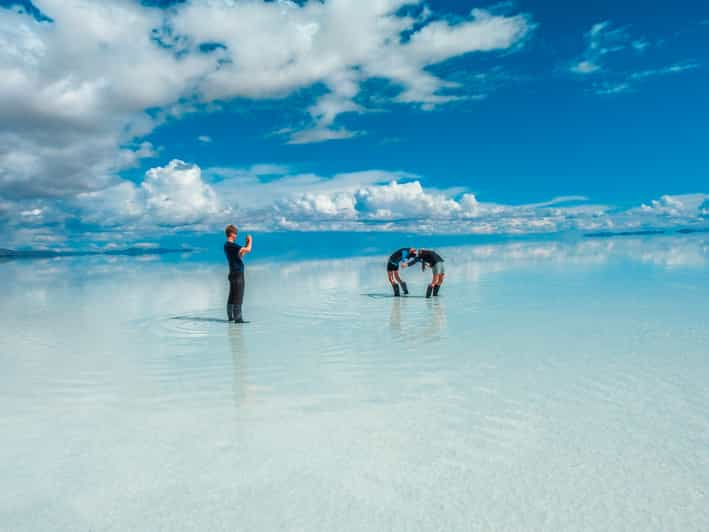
[[74, 93], [181, 197], [174, 195], [409, 206], [382, 200], [677, 206], [271, 49], [83, 80]]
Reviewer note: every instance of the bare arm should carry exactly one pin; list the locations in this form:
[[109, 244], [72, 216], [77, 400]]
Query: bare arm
[[247, 248], [410, 263]]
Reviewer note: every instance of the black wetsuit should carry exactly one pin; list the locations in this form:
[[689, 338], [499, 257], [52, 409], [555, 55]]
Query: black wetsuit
[[236, 273], [398, 256], [426, 256]]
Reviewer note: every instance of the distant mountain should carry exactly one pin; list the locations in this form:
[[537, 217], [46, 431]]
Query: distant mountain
[[7, 254], [607, 234], [694, 230]]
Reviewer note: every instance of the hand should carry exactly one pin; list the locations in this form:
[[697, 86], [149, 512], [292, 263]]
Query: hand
[[404, 265], [248, 238]]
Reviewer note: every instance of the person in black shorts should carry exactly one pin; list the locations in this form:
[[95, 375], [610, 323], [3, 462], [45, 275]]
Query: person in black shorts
[[234, 255], [434, 261], [400, 255]]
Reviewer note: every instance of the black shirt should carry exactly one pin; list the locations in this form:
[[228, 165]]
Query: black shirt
[[231, 250], [398, 256], [426, 255]]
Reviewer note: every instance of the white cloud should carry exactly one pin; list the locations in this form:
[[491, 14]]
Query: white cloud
[[176, 195], [173, 195], [179, 197], [381, 200], [585, 67], [671, 69], [602, 39], [404, 200], [319, 134], [246, 189], [272, 50], [205, 139], [74, 93], [606, 42], [75, 90], [683, 205]]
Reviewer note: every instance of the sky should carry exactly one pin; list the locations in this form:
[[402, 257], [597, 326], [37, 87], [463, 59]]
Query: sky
[[124, 121]]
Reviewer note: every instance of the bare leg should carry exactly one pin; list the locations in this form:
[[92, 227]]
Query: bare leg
[[392, 281], [438, 281]]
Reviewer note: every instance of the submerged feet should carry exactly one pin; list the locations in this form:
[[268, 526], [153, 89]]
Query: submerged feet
[[404, 288], [396, 290], [429, 290], [234, 313]]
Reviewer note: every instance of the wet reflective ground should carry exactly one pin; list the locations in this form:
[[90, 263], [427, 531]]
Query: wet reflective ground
[[552, 386]]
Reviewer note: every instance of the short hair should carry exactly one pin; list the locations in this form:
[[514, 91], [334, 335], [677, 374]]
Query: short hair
[[230, 230]]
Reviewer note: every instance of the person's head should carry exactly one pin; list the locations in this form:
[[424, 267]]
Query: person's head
[[412, 251], [231, 231]]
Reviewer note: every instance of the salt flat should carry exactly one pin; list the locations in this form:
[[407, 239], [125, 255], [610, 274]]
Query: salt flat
[[551, 386]]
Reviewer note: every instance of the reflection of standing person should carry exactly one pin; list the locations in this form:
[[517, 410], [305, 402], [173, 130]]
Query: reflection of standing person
[[400, 255], [234, 254], [434, 261], [240, 359]]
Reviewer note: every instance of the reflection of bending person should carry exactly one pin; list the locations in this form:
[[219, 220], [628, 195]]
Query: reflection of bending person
[[234, 254], [400, 255], [437, 321], [395, 316], [434, 261]]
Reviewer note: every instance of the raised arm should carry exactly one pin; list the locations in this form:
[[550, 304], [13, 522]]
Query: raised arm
[[247, 248]]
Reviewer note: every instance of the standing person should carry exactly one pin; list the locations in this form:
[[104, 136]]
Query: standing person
[[400, 255], [433, 260], [234, 254]]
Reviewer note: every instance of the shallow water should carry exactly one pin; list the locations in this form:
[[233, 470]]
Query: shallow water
[[552, 386]]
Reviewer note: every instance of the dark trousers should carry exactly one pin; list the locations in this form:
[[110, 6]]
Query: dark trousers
[[236, 288]]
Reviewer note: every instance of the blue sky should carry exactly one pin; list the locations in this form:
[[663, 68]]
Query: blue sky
[[123, 121]]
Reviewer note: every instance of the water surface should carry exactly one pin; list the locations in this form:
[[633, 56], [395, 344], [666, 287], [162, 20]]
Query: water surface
[[551, 386]]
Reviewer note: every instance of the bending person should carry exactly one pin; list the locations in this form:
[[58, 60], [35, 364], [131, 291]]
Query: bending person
[[434, 261], [234, 255], [400, 255]]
